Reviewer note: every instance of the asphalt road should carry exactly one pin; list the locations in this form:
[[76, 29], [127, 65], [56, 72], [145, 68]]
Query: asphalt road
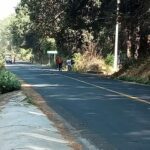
[[110, 114]]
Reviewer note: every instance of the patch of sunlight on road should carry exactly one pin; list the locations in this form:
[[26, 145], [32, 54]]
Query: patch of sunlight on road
[[35, 113], [141, 133], [41, 85], [43, 137], [37, 148]]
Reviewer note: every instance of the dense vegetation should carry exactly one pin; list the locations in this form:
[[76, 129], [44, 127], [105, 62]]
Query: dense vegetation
[[83, 28], [8, 82], [79, 25]]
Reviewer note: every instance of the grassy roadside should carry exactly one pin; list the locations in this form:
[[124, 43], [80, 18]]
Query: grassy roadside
[[133, 71], [138, 72]]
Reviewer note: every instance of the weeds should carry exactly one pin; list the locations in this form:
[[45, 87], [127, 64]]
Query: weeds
[[109, 59], [88, 62], [135, 71], [30, 101]]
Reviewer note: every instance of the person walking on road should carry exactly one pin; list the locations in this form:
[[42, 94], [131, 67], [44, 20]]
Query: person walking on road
[[59, 62], [69, 64]]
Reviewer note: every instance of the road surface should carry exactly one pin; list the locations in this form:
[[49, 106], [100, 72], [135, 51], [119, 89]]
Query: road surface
[[109, 114]]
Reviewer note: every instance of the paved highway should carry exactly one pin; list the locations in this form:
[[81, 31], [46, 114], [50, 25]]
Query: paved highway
[[110, 114]]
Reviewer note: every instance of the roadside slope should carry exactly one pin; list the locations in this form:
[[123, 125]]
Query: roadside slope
[[137, 72]]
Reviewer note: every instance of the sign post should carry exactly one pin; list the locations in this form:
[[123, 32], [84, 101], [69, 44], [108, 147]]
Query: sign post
[[52, 53]]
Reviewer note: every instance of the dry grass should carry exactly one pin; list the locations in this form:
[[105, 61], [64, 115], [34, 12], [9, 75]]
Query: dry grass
[[139, 72], [89, 62]]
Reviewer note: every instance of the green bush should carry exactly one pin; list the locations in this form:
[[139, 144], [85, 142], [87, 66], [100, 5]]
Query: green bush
[[109, 59], [8, 82]]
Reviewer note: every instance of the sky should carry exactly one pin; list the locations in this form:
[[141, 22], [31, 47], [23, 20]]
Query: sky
[[7, 7]]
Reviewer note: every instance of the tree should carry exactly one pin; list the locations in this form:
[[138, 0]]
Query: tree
[[77, 26], [135, 28], [5, 39]]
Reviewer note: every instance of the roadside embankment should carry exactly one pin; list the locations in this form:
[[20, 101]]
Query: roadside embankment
[[138, 71]]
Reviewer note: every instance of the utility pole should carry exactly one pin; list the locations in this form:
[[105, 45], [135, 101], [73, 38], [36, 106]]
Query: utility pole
[[116, 38]]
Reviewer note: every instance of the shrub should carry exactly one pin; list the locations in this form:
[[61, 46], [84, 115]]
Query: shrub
[[88, 62], [79, 63], [109, 59], [8, 82]]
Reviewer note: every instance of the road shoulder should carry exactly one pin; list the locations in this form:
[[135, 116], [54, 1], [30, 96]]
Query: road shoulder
[[59, 123]]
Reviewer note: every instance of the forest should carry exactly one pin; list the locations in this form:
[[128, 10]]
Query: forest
[[83, 30]]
